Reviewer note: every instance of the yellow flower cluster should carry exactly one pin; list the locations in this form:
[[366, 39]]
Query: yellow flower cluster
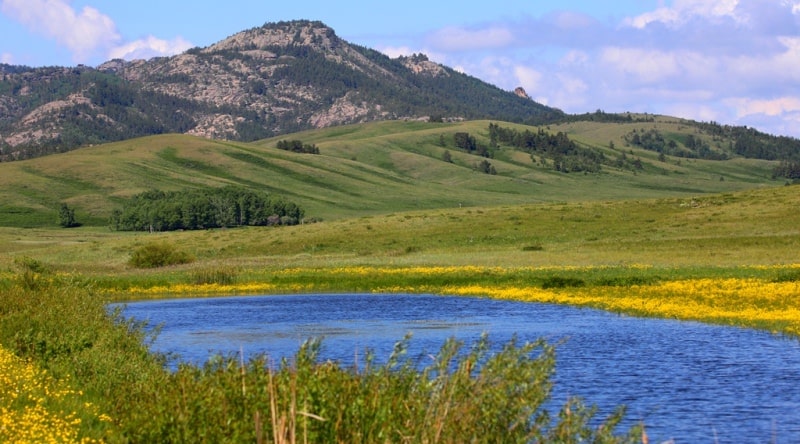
[[747, 302], [442, 270], [743, 302], [198, 290], [25, 396]]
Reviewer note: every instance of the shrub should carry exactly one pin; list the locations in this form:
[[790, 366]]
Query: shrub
[[158, 254], [460, 396], [66, 217], [31, 272]]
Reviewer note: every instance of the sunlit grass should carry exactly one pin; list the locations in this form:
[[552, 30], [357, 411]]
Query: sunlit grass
[[726, 259]]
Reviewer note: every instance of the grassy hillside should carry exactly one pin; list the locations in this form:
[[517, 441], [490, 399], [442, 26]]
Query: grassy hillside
[[362, 170]]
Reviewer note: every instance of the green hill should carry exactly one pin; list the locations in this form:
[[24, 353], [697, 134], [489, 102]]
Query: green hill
[[367, 169]]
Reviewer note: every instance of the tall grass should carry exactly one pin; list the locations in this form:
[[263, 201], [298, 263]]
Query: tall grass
[[62, 327]]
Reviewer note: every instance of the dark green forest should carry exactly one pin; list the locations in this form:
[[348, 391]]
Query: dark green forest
[[117, 109], [199, 209]]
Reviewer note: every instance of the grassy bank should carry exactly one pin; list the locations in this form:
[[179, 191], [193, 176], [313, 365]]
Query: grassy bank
[[729, 259], [71, 372]]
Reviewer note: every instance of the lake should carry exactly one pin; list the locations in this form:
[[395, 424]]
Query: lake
[[687, 381]]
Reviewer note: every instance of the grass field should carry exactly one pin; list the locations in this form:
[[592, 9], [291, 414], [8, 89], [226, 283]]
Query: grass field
[[363, 170], [716, 242]]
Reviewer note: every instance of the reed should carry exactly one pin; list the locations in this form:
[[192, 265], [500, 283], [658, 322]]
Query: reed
[[62, 327]]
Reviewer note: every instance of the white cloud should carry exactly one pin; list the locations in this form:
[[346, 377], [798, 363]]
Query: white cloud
[[149, 47], [6, 58], [396, 51], [684, 10], [794, 4], [574, 58], [769, 107], [459, 39], [528, 78], [641, 64], [84, 33], [694, 111]]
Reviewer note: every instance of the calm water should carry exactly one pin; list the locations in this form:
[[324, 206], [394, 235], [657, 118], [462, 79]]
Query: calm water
[[691, 382]]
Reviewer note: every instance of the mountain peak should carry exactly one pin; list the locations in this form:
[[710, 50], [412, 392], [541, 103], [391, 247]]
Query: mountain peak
[[274, 79], [281, 34], [520, 91]]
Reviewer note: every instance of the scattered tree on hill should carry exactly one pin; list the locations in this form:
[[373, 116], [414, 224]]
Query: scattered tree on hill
[[200, 209], [298, 146], [690, 147], [567, 156], [469, 144], [66, 217], [787, 169], [447, 157], [485, 167]]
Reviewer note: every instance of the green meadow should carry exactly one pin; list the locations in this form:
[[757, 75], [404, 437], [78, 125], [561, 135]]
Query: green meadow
[[384, 211]]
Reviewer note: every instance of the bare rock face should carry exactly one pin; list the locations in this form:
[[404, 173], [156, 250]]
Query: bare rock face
[[520, 92], [419, 64]]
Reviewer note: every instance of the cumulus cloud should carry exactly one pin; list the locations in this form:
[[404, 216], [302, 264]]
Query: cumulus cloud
[[83, 32], [396, 51], [684, 10], [6, 58], [88, 34], [732, 61], [768, 107], [528, 78], [149, 47]]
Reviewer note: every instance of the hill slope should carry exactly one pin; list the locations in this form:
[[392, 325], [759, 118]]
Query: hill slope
[[365, 169], [274, 79]]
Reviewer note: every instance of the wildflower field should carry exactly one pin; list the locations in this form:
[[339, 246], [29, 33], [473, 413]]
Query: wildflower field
[[71, 371], [36, 408]]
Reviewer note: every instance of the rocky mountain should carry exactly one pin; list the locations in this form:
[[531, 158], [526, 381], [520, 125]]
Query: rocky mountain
[[270, 80]]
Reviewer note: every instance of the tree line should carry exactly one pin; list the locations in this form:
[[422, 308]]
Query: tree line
[[297, 146], [565, 154], [689, 147], [197, 209]]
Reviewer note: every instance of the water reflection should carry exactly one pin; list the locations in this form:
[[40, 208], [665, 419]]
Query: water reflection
[[688, 381]]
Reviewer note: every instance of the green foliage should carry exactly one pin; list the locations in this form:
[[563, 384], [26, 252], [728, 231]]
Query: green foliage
[[566, 155], [158, 254], [135, 111], [691, 146], [297, 146], [471, 396], [63, 327], [201, 209], [447, 157], [32, 273], [787, 169], [470, 144], [66, 217], [485, 167], [461, 396]]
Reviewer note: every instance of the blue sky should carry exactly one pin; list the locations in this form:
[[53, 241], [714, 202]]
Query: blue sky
[[730, 61]]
